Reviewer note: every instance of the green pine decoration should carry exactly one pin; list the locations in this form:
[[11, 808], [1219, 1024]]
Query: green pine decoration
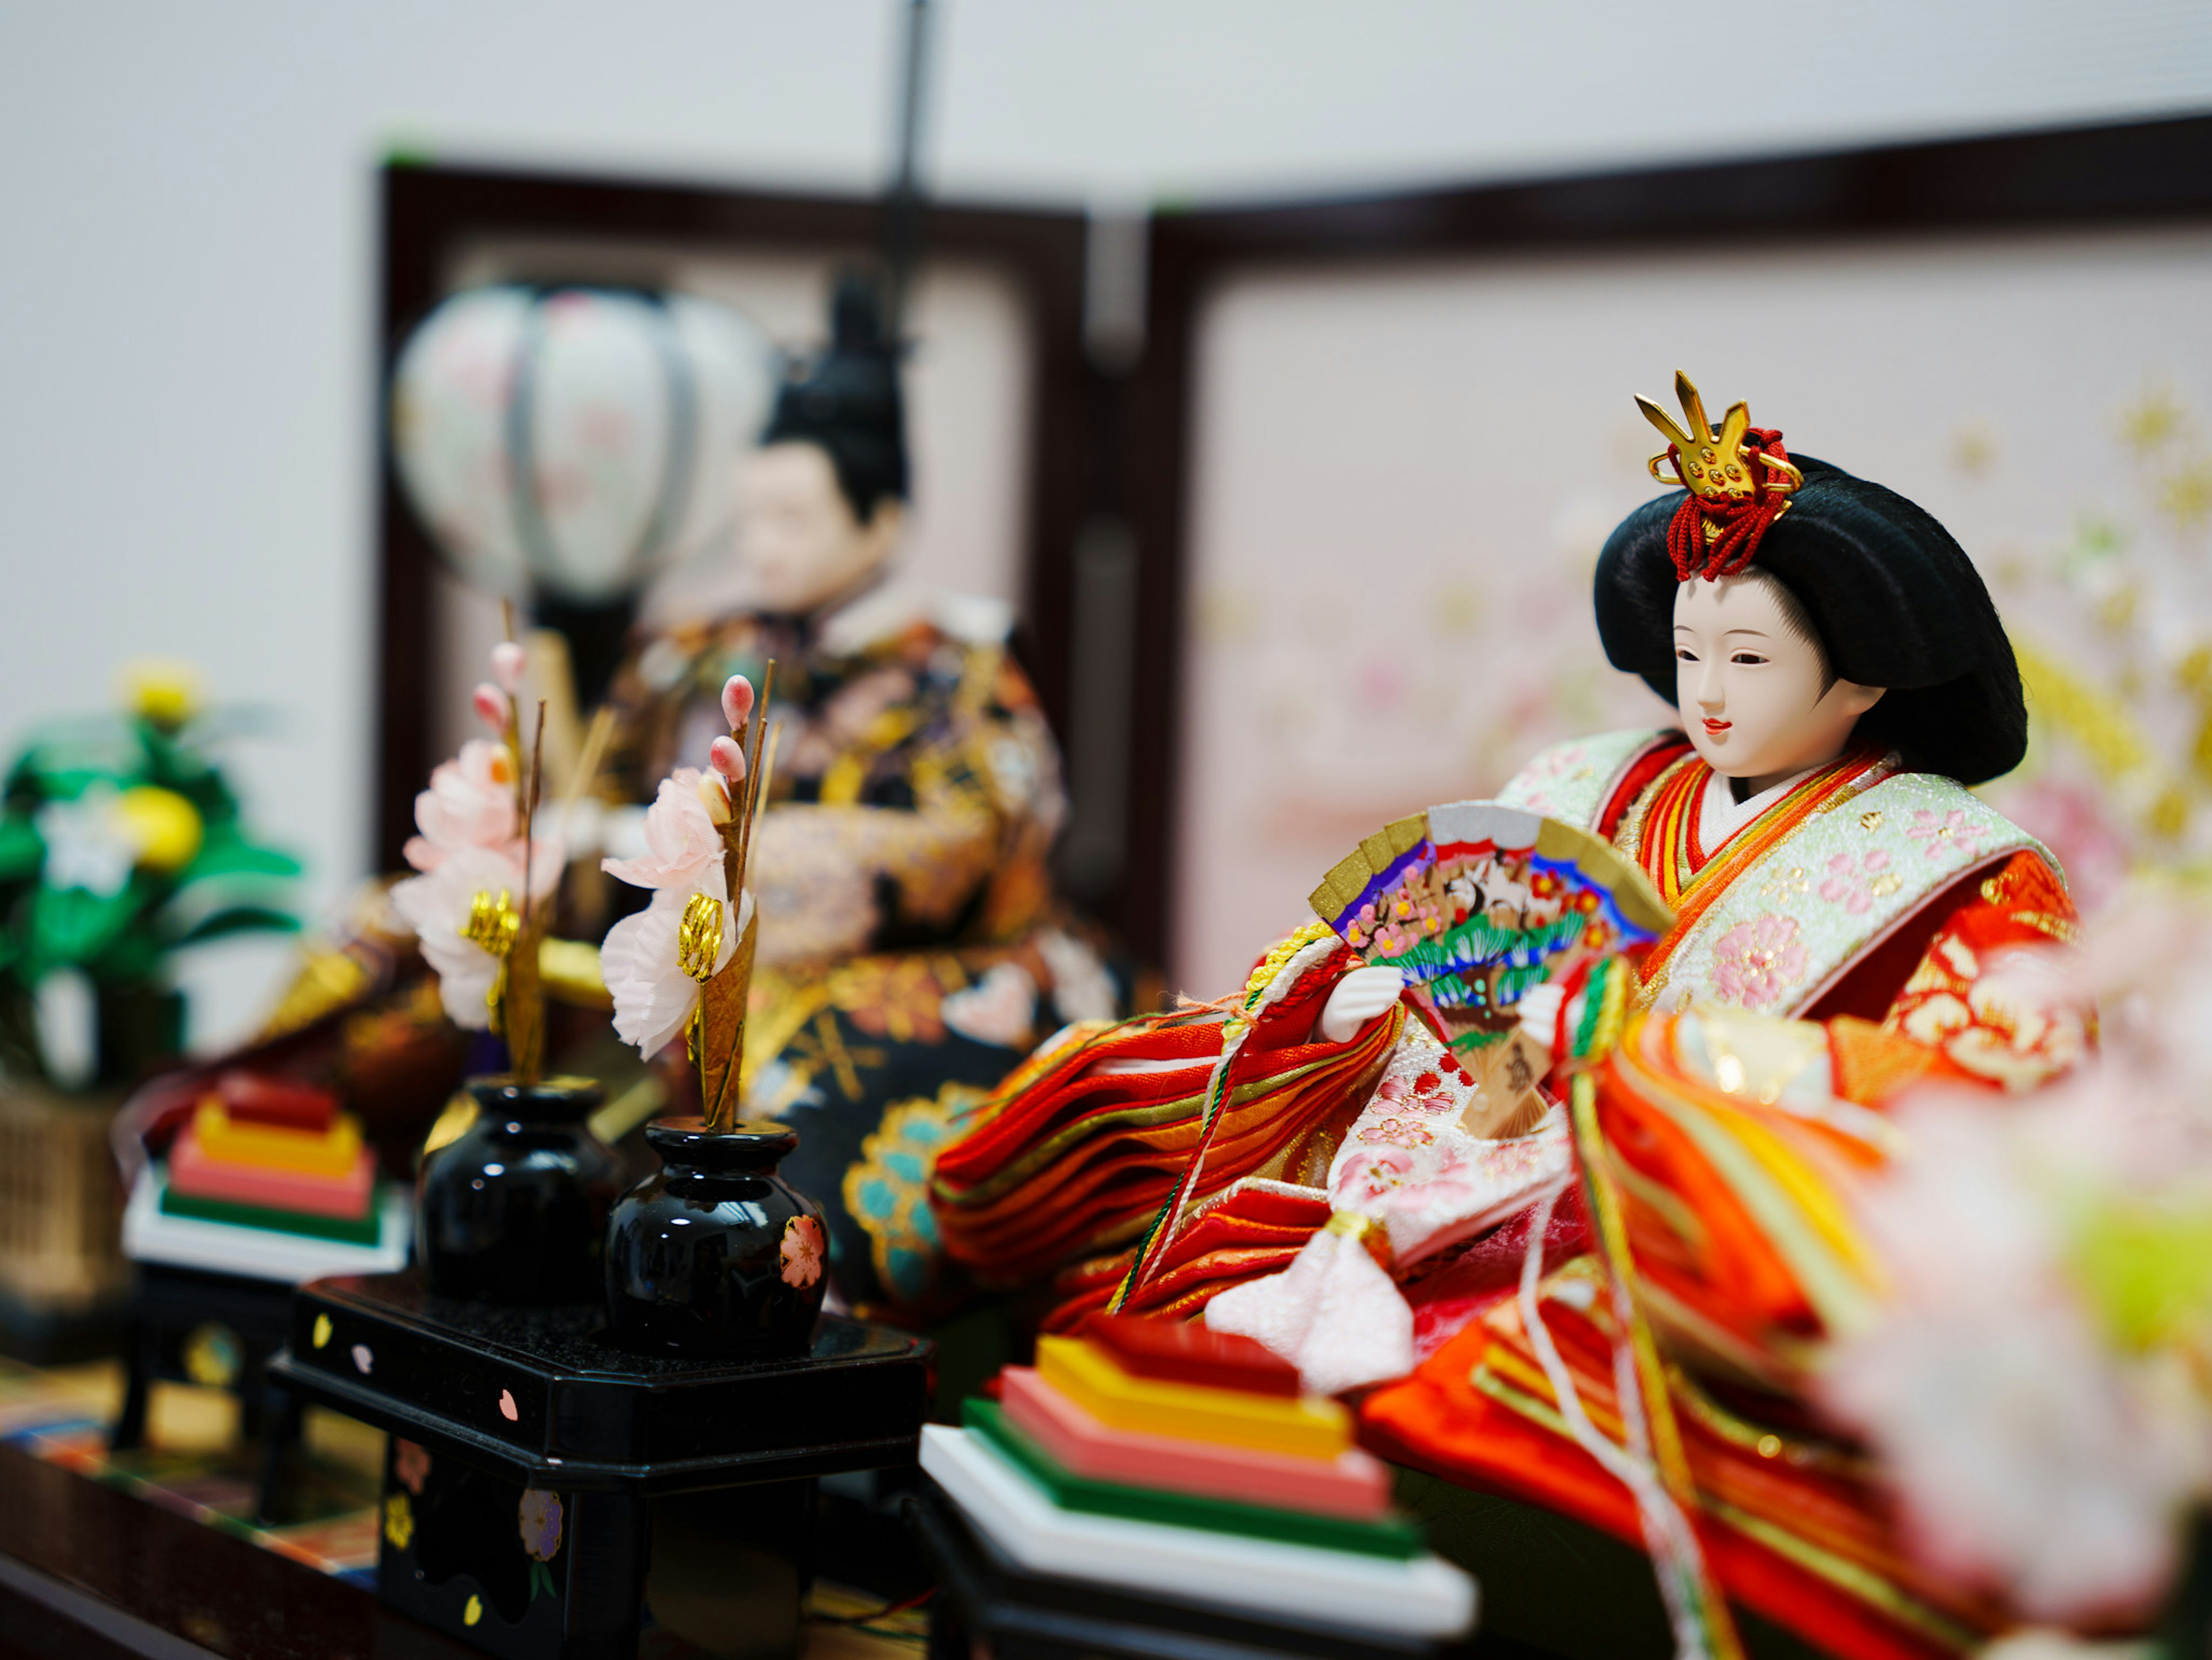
[[121, 842]]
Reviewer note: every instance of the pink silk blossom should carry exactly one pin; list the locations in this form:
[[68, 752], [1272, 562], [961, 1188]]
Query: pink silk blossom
[[470, 804], [437, 904], [641, 962], [681, 841]]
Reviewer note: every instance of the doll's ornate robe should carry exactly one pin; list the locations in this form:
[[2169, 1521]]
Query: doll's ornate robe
[[910, 949], [1736, 1167], [1882, 908], [1878, 910], [1872, 900], [1858, 895]]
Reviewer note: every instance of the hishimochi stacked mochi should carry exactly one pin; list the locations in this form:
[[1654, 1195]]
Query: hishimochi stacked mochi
[[1181, 1463], [1160, 1421], [263, 1153], [1174, 1423]]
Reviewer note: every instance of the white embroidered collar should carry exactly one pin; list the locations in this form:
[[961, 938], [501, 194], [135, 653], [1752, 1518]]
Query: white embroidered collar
[[1720, 815]]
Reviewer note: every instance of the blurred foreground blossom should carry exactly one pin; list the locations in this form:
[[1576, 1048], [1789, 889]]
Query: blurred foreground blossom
[[2039, 1386]]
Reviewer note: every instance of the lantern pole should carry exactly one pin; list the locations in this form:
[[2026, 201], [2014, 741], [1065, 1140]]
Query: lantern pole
[[902, 229]]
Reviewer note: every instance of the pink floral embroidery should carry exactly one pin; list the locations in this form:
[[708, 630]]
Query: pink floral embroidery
[[1853, 883], [1938, 831], [1426, 1094], [1561, 763], [802, 1251], [1398, 1133], [1374, 1173], [1754, 963]]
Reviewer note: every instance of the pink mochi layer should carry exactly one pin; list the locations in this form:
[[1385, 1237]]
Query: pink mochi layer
[[192, 1173], [1353, 1485]]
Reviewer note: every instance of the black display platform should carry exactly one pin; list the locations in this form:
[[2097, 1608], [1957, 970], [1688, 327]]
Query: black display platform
[[532, 1461], [238, 1321], [987, 1602], [534, 1394]]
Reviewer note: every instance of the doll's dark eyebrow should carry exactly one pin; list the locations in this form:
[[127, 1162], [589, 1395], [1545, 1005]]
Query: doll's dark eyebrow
[[1726, 634]]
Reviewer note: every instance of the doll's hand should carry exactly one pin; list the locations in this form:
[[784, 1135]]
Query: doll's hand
[[1539, 1009], [1358, 998]]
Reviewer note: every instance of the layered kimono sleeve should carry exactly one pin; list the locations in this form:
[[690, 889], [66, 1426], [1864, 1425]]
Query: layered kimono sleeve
[[1064, 1171], [1971, 994]]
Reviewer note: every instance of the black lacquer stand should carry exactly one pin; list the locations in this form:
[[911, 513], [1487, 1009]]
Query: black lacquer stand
[[167, 1305], [531, 1458], [987, 1602]]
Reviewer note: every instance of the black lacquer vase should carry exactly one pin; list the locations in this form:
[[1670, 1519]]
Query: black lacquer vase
[[714, 1253], [515, 1209]]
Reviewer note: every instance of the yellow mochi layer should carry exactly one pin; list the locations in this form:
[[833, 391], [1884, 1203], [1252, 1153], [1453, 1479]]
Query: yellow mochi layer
[[1304, 1428], [310, 1153]]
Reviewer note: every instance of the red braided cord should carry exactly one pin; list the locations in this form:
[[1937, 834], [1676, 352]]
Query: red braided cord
[[1741, 524]]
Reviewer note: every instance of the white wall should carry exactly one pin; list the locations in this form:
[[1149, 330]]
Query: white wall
[[187, 225]]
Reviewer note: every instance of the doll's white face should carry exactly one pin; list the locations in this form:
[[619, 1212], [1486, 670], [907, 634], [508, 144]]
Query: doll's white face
[[1748, 684], [801, 542]]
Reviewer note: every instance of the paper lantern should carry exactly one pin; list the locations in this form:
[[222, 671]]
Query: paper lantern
[[570, 442]]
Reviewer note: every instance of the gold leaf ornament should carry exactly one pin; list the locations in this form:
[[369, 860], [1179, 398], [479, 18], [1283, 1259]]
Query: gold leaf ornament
[[699, 936], [493, 923]]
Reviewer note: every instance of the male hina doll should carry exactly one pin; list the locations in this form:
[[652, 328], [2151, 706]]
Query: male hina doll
[[909, 949], [1306, 1163]]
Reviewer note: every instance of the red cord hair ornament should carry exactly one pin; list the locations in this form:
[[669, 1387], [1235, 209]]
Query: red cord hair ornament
[[1739, 481]]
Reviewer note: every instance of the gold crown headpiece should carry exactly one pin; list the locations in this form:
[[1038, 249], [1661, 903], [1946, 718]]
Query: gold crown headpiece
[[1739, 478]]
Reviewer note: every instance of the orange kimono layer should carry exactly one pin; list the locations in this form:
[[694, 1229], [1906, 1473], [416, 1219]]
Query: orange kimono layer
[[1734, 1181], [1792, 1528], [1254, 1228], [1072, 1160]]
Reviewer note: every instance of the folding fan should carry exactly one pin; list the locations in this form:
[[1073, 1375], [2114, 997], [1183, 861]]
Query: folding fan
[[1475, 903]]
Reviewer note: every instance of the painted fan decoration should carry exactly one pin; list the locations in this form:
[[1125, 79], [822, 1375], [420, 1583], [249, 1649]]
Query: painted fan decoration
[[1475, 903]]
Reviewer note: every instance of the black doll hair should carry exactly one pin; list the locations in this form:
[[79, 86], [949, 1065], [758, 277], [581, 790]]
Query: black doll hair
[[1892, 600], [846, 403]]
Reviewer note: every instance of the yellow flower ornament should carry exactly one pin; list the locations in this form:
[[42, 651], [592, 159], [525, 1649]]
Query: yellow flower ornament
[[164, 827]]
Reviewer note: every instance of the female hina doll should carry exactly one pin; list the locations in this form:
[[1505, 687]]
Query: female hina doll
[[1618, 1310], [909, 950], [1841, 674], [1306, 1158]]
